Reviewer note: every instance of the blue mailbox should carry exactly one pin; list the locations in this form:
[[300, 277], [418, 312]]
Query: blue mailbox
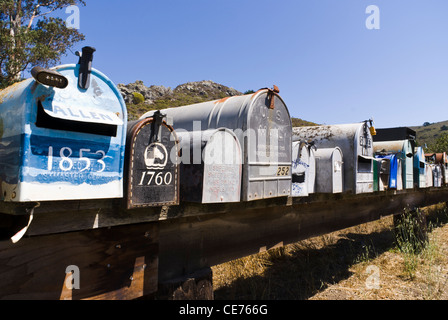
[[62, 135]]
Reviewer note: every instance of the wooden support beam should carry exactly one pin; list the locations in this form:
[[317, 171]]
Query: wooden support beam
[[106, 263], [195, 243]]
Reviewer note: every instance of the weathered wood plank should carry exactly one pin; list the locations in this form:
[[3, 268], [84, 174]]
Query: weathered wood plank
[[113, 263]]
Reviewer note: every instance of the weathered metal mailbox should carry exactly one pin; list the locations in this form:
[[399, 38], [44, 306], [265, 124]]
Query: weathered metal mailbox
[[152, 165], [329, 170], [303, 169], [437, 175], [419, 168], [390, 172], [62, 135], [355, 141], [434, 162], [405, 154], [211, 166], [262, 124]]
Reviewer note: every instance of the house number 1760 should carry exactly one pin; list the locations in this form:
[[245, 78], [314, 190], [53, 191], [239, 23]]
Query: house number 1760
[[66, 163]]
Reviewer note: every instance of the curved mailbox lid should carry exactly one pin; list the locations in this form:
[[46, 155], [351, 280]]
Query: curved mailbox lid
[[152, 164], [74, 140], [100, 103]]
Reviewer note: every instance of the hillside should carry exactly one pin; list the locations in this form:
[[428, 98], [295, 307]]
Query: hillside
[[429, 132], [140, 98]]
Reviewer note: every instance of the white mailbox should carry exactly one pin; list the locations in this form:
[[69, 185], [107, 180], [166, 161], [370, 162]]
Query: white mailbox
[[329, 170]]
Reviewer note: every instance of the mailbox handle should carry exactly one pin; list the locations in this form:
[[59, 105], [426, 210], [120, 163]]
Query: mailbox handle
[[85, 67]]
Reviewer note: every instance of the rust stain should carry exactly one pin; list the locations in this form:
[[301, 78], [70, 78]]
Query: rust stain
[[9, 90], [222, 100]]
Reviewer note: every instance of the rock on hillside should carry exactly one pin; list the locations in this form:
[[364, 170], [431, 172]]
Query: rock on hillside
[[208, 90]]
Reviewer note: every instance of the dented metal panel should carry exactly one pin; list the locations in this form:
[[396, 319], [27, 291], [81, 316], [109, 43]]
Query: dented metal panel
[[152, 174], [355, 142], [262, 124], [62, 144], [329, 170], [216, 178]]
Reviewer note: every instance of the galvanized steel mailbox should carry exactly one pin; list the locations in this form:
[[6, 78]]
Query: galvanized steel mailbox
[[216, 177], [405, 155], [329, 170], [303, 169], [435, 162], [355, 141], [152, 163], [262, 124], [62, 138]]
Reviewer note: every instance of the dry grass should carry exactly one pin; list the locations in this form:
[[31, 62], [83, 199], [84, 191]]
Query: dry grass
[[361, 262]]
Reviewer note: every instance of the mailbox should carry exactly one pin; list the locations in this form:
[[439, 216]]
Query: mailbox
[[262, 124], [329, 170], [390, 172], [62, 135], [437, 175], [152, 163], [419, 168], [355, 142], [303, 169], [403, 149], [436, 161], [211, 166]]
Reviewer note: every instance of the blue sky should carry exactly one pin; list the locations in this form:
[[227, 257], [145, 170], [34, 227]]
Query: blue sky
[[329, 67]]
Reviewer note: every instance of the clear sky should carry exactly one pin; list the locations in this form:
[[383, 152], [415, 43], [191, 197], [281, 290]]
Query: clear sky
[[329, 66]]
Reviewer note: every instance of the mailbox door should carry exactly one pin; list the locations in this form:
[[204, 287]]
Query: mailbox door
[[300, 169], [222, 168], [152, 157], [363, 148], [269, 143], [338, 174]]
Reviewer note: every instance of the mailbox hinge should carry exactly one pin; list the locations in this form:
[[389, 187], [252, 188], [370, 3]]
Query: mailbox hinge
[[157, 126], [272, 93]]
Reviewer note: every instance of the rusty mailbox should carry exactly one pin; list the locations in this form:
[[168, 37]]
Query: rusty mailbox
[[262, 124], [355, 142], [210, 166], [329, 170], [152, 163], [62, 135]]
